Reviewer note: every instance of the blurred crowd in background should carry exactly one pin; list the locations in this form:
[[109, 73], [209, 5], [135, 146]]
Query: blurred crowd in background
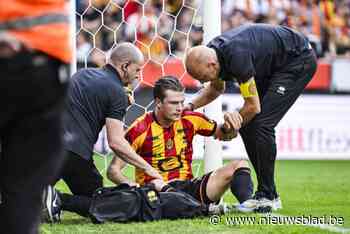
[[162, 30]]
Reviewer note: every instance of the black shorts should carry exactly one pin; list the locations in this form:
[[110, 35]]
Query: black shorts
[[196, 187]]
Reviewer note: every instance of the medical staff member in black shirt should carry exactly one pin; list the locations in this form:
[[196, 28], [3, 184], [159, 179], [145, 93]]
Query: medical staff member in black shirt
[[96, 98], [272, 65]]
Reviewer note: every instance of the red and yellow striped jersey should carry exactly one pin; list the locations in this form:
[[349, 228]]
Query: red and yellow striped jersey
[[169, 150]]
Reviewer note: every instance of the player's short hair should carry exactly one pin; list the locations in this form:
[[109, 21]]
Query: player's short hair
[[166, 83]]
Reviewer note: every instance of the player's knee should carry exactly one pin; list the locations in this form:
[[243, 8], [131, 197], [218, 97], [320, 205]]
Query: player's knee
[[230, 168], [234, 165], [225, 173]]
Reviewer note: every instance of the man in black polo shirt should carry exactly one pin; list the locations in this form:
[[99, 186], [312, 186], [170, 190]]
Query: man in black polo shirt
[[272, 65], [96, 98]]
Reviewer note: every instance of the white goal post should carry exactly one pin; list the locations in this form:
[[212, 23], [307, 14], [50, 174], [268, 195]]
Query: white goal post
[[212, 28]]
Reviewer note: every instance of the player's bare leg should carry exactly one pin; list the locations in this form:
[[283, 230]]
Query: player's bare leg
[[221, 179]]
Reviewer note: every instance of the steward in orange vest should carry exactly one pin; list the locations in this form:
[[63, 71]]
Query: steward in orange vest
[[39, 24]]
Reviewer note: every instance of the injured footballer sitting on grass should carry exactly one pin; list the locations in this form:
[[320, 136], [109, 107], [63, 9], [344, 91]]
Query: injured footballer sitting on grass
[[164, 139]]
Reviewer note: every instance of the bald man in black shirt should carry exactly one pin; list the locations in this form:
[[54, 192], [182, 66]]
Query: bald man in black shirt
[[272, 65], [96, 97]]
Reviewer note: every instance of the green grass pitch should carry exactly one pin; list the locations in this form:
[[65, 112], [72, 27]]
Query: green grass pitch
[[307, 188]]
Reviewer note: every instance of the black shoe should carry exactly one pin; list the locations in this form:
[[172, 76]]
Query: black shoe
[[52, 205]]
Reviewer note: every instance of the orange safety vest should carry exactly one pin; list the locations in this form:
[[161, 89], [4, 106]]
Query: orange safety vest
[[39, 24]]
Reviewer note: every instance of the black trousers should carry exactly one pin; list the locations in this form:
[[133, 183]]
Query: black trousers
[[276, 97], [31, 97], [81, 175], [82, 178]]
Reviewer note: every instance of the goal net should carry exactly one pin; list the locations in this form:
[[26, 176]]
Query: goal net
[[162, 29]]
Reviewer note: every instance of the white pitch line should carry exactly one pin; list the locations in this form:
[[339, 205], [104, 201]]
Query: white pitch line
[[327, 227], [105, 158]]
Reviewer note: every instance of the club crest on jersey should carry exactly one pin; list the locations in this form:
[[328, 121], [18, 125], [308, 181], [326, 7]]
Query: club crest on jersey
[[170, 164], [169, 144]]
